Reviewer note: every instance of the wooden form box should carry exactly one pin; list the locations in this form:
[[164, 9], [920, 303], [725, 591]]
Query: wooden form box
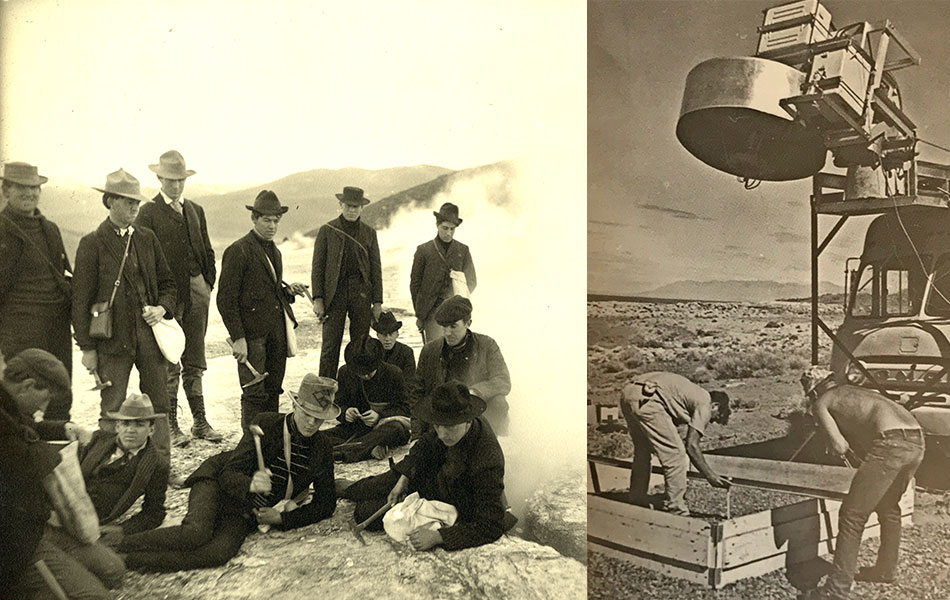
[[715, 554]]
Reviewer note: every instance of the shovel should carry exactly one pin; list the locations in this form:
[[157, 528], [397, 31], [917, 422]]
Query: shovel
[[359, 528], [100, 384], [258, 377]]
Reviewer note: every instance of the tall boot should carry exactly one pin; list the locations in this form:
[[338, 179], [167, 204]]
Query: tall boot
[[201, 428], [178, 437]]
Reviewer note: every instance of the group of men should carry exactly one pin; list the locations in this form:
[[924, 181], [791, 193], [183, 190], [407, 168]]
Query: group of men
[[150, 262]]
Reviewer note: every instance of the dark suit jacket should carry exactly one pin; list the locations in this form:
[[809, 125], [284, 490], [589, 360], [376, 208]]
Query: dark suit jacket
[[12, 245], [470, 476], [402, 356], [97, 265], [430, 273], [150, 480], [328, 257], [250, 301], [386, 387], [167, 225]]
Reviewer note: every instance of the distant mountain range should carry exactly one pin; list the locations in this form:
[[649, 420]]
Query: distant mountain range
[[736, 290]]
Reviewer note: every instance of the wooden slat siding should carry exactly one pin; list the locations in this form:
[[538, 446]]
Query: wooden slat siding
[[592, 415], [692, 576]]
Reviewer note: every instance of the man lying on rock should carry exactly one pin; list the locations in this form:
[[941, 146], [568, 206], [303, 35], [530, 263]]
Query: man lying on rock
[[653, 405], [372, 396], [458, 461], [230, 495], [860, 422]]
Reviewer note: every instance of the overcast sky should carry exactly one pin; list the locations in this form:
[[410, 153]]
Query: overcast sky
[[656, 214], [251, 91]]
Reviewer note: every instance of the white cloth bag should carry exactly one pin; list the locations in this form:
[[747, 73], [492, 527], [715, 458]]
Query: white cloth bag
[[459, 284], [170, 339], [414, 512]]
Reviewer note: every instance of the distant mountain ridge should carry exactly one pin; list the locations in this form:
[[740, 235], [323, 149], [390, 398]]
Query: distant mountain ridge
[[736, 290]]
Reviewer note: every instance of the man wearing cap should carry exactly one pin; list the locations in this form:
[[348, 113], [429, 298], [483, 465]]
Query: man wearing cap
[[461, 354], [34, 277], [395, 352], [373, 399], [887, 439], [435, 265], [142, 295], [254, 303], [346, 276], [458, 461], [230, 495], [182, 231]]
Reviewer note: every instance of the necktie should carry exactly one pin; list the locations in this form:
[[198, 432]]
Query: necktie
[[176, 204]]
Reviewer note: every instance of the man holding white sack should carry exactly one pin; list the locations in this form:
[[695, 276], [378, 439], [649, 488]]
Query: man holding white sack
[[458, 461]]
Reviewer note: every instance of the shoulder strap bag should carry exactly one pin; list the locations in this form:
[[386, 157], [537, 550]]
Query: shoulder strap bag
[[100, 325]]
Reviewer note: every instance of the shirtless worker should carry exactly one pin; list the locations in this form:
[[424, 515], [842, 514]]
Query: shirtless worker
[[891, 443]]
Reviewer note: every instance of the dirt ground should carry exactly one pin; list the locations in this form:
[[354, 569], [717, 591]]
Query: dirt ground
[[755, 352]]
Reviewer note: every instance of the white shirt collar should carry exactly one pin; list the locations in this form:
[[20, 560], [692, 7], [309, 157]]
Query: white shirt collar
[[169, 201]]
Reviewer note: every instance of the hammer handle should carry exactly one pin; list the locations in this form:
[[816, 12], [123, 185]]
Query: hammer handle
[[374, 516], [260, 453]]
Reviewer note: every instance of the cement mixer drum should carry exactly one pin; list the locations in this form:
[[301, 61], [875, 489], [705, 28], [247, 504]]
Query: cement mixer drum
[[732, 121]]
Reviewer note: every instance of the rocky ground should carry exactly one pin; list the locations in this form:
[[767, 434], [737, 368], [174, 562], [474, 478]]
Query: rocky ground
[[756, 353]]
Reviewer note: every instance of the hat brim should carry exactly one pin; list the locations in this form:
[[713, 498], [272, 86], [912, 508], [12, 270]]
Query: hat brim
[[423, 410], [327, 416], [157, 169], [457, 221], [138, 197], [120, 417], [363, 201], [282, 210], [39, 180], [388, 329]]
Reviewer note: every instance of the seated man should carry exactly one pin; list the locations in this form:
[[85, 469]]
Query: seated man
[[230, 496], [121, 467], [373, 399], [394, 352], [463, 355], [459, 461]]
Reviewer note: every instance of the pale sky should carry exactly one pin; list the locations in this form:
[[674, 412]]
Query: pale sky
[[253, 91]]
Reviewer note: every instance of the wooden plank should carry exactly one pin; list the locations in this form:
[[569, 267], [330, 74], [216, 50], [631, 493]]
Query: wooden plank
[[608, 506], [693, 576]]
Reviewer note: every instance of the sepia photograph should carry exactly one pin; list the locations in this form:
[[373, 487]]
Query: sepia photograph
[[768, 410]]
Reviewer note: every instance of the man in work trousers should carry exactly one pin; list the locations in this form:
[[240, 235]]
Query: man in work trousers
[[34, 277], [430, 281], [653, 405], [346, 276], [182, 231], [146, 294], [892, 445], [254, 303]]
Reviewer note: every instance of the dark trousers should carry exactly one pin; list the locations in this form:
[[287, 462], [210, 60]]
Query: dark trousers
[[351, 298], [370, 494], [360, 440], [194, 322], [207, 537], [267, 354], [44, 326], [877, 487]]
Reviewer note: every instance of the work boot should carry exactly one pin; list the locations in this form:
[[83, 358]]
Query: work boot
[[875, 574], [178, 437], [201, 428]]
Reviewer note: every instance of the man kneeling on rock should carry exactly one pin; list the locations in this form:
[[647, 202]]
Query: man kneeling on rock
[[653, 405], [891, 443], [458, 461], [231, 494]]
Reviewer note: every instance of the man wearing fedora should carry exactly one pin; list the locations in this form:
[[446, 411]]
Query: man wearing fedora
[[373, 398], [182, 231], [461, 354], [431, 278], [34, 277], [230, 495], [395, 352], [458, 461], [346, 276], [121, 467], [144, 294], [254, 303]]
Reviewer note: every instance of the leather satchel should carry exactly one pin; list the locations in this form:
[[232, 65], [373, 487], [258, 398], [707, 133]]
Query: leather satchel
[[100, 325]]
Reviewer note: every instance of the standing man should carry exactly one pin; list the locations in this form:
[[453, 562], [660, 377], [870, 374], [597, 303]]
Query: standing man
[[182, 231], [346, 276], [433, 268], [144, 294], [891, 443], [653, 405], [34, 277], [254, 303]]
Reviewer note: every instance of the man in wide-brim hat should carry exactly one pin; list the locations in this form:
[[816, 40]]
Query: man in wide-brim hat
[[346, 275], [254, 303], [34, 277], [395, 352], [230, 496], [458, 461], [145, 294], [182, 230], [438, 266]]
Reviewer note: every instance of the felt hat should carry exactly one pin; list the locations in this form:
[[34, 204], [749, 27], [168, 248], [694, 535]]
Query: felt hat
[[448, 212], [353, 195], [40, 364], [267, 203], [22, 173], [135, 407], [316, 397], [455, 308], [449, 404], [171, 165], [386, 323], [363, 355], [121, 183]]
